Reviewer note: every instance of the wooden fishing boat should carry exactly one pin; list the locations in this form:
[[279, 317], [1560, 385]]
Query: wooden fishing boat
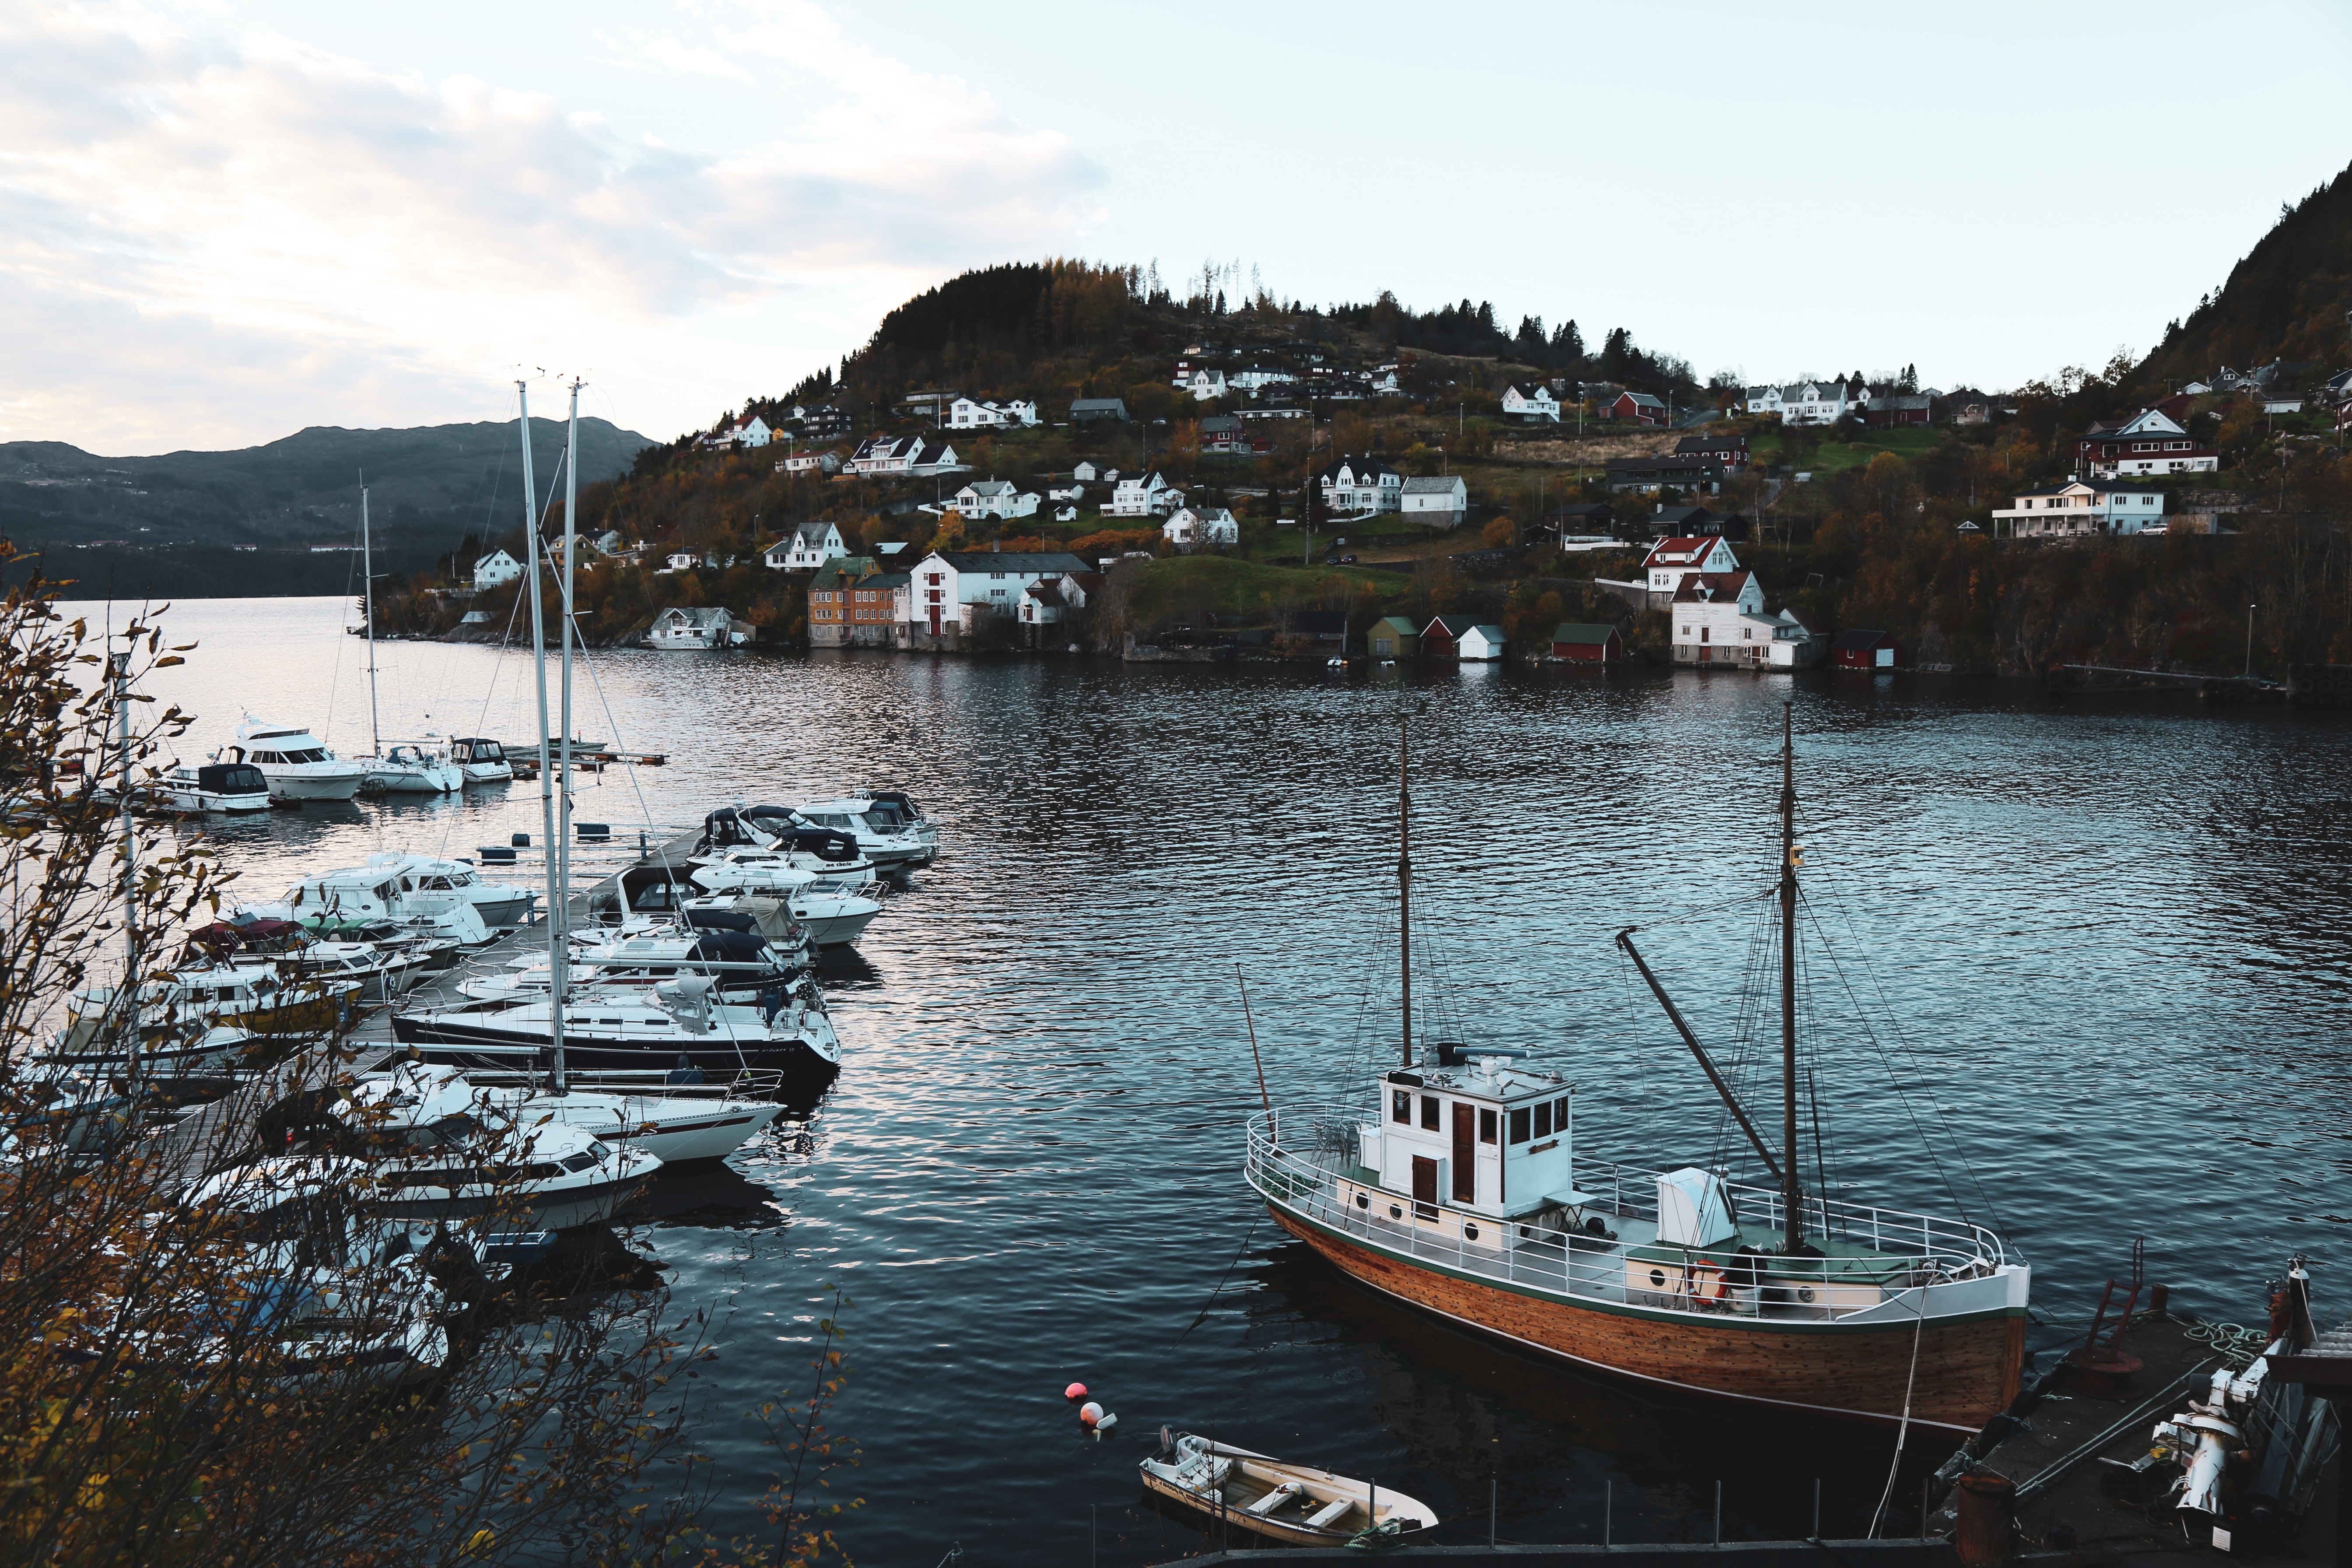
[[1457, 1186], [1296, 1504]]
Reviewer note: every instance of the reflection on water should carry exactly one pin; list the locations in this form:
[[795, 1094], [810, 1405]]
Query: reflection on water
[[2111, 935]]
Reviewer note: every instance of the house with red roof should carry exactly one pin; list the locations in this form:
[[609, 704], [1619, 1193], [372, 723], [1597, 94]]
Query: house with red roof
[[1719, 621], [1670, 561]]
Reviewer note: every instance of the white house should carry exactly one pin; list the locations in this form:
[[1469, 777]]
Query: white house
[[995, 498], [1535, 405], [965, 413], [1808, 402], [1255, 381], [1354, 485], [495, 570], [1144, 496], [2080, 506], [1480, 644], [1066, 514], [1084, 473], [692, 629], [1204, 383], [806, 548], [2150, 442], [1762, 400], [751, 432], [888, 456], [810, 463], [951, 591], [1193, 526], [678, 560], [1671, 560], [1719, 619], [1434, 503]]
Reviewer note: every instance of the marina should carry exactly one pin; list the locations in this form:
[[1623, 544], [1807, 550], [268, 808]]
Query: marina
[[1289, 1358]]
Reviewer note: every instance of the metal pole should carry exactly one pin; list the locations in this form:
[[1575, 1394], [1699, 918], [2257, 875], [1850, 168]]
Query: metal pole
[[1608, 1505], [1719, 1514], [367, 605], [1404, 880], [558, 974], [1922, 1506], [2250, 638], [1817, 1508], [1792, 1196], [538, 670], [1494, 1491]]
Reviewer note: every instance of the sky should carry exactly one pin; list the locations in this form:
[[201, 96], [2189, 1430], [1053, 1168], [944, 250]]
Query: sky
[[221, 222]]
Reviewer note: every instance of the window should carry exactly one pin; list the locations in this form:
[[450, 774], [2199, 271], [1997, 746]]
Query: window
[[1559, 1115], [1429, 1111], [1543, 1120], [1400, 1107], [1485, 1126], [1519, 1125]]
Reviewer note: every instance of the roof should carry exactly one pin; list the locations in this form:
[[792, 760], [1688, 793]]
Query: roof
[[1901, 400], [1398, 624], [1364, 468], [1045, 591], [1489, 630], [1433, 487], [1587, 509], [1699, 445], [1685, 549], [493, 555], [1055, 563], [1854, 637], [705, 616], [1668, 516], [1711, 587], [886, 579], [1098, 404], [990, 487], [1582, 632], [1453, 625], [1222, 424], [812, 532], [1641, 400]]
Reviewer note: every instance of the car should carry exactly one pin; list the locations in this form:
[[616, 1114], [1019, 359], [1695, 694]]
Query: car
[[1347, 560]]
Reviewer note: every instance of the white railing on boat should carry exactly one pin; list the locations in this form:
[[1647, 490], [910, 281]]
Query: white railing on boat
[[1306, 1159]]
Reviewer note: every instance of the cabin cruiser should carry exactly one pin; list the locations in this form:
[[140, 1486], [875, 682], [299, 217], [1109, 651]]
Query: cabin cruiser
[[432, 1151], [833, 916], [616, 1026], [499, 903], [886, 827], [246, 995], [296, 763], [778, 831], [677, 1125], [726, 945], [481, 761], [408, 769], [229, 787], [360, 900]]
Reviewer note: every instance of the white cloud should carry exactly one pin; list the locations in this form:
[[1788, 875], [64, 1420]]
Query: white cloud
[[208, 238]]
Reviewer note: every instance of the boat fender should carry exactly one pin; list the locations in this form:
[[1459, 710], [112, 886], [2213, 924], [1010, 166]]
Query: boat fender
[[1110, 1419], [1076, 1391], [1089, 1414]]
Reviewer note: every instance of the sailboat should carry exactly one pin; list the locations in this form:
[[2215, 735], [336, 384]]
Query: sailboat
[[681, 1019], [1455, 1185], [407, 768]]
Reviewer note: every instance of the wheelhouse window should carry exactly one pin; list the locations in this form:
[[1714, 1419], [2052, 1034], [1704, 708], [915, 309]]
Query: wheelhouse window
[[1520, 1118], [1400, 1107], [1559, 1115], [1487, 1120], [1428, 1118]]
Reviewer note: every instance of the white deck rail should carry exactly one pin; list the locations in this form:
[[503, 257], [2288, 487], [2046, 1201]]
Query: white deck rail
[[1299, 1156]]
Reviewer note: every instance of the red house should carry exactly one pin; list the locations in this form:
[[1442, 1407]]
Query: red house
[[1441, 636], [1634, 408], [1856, 649], [1582, 644]]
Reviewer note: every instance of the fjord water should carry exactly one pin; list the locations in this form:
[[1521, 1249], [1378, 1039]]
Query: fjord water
[[2099, 953]]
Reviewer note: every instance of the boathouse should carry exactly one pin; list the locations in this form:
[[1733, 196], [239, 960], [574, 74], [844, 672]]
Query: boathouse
[[1581, 643], [1857, 649], [1439, 639], [1482, 644], [1392, 636]]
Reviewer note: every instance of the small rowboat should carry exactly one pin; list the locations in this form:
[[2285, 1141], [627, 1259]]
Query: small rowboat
[[1294, 1504]]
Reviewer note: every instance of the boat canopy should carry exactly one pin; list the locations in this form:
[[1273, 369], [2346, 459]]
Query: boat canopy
[[232, 778]]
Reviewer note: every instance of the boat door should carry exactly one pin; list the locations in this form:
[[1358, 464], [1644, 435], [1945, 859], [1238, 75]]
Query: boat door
[[1466, 1153], [1424, 1187]]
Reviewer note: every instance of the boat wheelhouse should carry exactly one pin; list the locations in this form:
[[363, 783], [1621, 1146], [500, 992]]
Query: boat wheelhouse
[[481, 760], [226, 787], [499, 903]]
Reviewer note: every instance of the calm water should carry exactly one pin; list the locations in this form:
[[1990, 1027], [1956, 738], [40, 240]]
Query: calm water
[[2099, 952]]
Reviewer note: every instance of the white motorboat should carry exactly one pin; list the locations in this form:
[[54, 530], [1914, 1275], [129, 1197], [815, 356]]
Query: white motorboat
[[361, 898], [228, 787], [296, 763], [435, 1152], [677, 1125], [246, 995], [499, 903], [726, 945], [481, 760], [410, 768], [833, 916], [888, 832], [614, 1026]]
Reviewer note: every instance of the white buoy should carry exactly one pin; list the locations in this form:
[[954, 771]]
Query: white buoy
[[1089, 1413]]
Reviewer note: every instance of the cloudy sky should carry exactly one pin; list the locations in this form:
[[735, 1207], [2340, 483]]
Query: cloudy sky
[[220, 222]]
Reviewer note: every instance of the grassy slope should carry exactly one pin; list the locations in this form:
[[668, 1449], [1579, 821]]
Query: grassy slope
[[1221, 585]]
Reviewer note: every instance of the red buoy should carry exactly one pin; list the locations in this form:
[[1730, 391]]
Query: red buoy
[[1076, 1391]]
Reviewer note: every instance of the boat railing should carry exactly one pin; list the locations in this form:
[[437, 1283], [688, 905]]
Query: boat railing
[[1306, 1159]]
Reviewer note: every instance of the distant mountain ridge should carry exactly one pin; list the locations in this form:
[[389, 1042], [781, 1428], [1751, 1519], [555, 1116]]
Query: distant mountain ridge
[[428, 486]]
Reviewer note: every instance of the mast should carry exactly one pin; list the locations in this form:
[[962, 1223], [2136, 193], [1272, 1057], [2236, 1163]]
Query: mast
[[1791, 1193], [560, 955], [539, 669], [118, 666], [367, 608], [1404, 881]]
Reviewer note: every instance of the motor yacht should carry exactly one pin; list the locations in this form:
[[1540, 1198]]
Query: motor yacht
[[409, 769], [245, 994], [627, 1026], [726, 945], [481, 760], [296, 763], [358, 900], [833, 916], [677, 1124], [499, 903], [887, 832], [228, 787]]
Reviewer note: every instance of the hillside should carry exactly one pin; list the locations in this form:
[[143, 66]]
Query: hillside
[[428, 487], [2290, 299]]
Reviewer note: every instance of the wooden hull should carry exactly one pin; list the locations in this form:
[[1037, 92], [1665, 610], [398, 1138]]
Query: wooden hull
[[1967, 1373]]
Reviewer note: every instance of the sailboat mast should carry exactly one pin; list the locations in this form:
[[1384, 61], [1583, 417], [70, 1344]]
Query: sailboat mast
[[538, 670], [556, 960], [1792, 1195], [367, 609], [1404, 879], [118, 666]]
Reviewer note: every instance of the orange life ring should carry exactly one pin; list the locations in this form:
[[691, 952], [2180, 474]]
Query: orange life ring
[[1707, 1280]]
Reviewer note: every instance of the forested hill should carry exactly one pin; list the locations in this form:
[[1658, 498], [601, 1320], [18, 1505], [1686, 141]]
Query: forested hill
[[2287, 299], [428, 486]]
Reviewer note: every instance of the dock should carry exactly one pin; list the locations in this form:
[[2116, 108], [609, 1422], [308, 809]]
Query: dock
[[222, 1131]]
